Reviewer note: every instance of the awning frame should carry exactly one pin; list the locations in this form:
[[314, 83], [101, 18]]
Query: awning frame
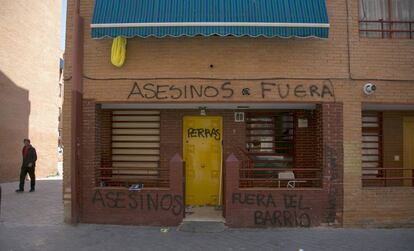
[[211, 24]]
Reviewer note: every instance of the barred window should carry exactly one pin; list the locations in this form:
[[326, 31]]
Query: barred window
[[135, 150], [387, 147], [386, 18], [270, 156], [372, 168]]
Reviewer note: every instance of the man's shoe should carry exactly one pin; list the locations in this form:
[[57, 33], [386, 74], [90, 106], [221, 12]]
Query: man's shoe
[[32, 190], [19, 191]]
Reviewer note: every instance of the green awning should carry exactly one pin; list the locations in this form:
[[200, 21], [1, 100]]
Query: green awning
[[176, 18]]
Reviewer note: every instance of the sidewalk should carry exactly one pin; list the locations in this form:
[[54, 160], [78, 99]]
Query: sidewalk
[[33, 221]]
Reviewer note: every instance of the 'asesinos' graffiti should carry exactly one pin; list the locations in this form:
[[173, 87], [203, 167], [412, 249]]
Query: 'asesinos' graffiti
[[139, 201]]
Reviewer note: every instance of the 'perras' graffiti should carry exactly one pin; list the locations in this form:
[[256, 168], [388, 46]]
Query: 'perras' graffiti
[[204, 133], [292, 212], [139, 201], [228, 90]]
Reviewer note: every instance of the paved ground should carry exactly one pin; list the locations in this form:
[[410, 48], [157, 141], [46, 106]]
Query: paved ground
[[33, 221]]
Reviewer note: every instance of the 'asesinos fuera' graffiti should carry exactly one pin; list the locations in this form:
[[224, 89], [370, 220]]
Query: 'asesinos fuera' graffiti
[[227, 90]]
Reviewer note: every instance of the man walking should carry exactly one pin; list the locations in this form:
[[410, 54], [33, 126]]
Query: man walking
[[28, 166]]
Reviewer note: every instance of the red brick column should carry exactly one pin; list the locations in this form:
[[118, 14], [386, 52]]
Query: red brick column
[[332, 139], [306, 146], [231, 184], [89, 148], [105, 137], [177, 179]]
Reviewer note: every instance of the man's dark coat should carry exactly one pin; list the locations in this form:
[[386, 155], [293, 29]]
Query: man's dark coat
[[31, 157]]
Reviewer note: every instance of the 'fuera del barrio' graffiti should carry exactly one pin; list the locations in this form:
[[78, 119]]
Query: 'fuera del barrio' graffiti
[[290, 213]]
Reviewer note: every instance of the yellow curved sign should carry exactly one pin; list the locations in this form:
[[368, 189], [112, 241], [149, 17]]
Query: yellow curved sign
[[118, 51]]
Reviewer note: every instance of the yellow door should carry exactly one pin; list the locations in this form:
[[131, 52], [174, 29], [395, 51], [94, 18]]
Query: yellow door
[[408, 150], [202, 137]]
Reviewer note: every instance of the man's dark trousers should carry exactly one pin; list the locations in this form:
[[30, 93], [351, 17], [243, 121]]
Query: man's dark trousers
[[23, 173]]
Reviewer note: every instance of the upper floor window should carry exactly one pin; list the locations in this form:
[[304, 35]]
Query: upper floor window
[[386, 18]]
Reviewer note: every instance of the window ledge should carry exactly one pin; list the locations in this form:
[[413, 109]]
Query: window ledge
[[126, 189], [280, 189], [388, 188], [387, 39]]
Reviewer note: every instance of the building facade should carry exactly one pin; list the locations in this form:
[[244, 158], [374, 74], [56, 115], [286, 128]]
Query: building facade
[[300, 118], [29, 82]]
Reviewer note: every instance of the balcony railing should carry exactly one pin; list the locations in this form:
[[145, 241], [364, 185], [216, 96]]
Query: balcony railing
[[273, 173], [387, 29], [387, 177]]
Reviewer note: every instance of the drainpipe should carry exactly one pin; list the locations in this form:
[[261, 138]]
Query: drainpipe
[[76, 110]]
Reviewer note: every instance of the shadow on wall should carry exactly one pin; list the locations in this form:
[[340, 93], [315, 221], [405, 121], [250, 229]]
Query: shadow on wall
[[14, 127]]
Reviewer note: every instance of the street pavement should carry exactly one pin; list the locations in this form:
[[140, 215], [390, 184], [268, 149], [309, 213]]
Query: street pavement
[[34, 221]]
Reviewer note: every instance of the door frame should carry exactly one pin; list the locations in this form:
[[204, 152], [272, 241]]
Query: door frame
[[406, 156], [221, 167]]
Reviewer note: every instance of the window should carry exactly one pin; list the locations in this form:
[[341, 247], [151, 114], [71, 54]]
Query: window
[[387, 148], [135, 151], [386, 18], [372, 168], [273, 141], [270, 134]]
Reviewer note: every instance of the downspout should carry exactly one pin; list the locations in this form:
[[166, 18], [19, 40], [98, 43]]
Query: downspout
[[76, 111], [348, 39]]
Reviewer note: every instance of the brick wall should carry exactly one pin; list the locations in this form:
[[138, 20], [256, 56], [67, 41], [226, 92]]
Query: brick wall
[[344, 60], [373, 58], [370, 206], [29, 84], [171, 131], [150, 206], [307, 146], [305, 207], [99, 204], [96, 202], [333, 157], [382, 206], [104, 140], [245, 57]]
